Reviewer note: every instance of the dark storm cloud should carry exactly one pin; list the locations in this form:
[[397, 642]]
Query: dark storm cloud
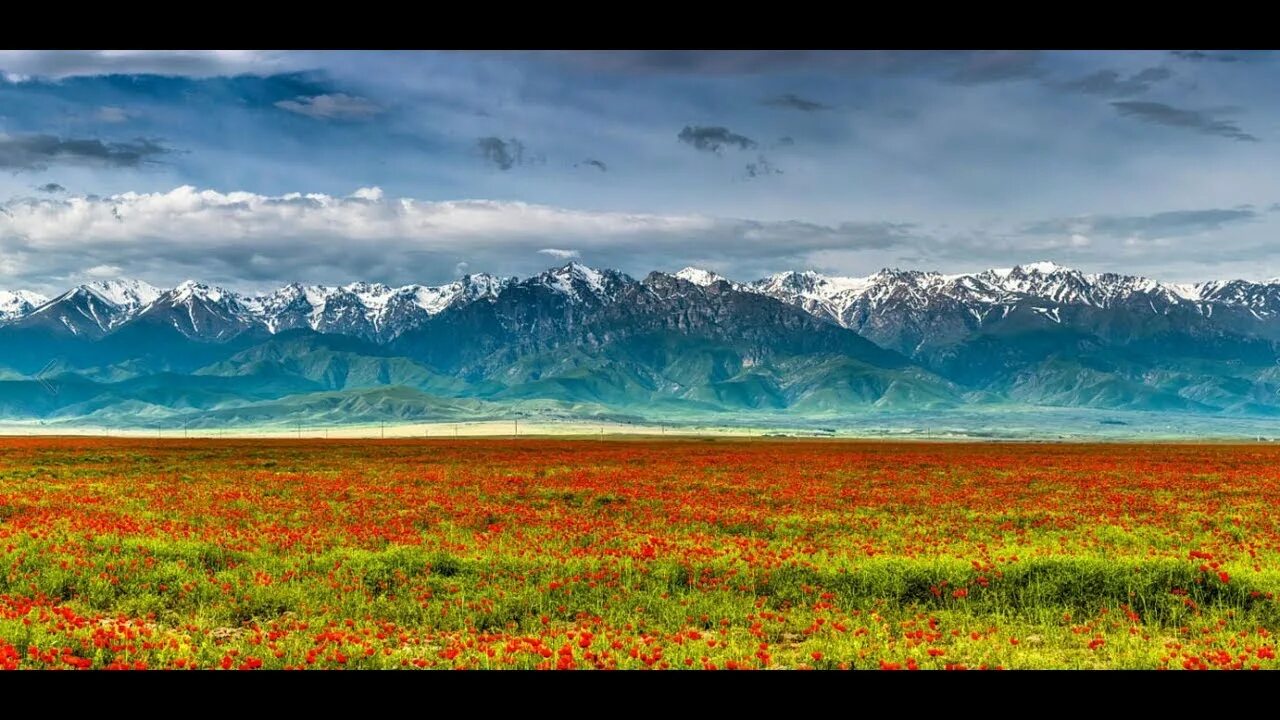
[[713, 139], [51, 188], [592, 162], [1174, 223], [35, 152], [1197, 120], [1110, 83], [795, 102], [505, 154]]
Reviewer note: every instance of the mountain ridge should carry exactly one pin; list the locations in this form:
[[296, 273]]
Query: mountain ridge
[[829, 294], [802, 343]]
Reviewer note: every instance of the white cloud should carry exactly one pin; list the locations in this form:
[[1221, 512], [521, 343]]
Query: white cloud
[[187, 212], [250, 241], [110, 114], [560, 254], [246, 239], [331, 107], [20, 65], [104, 271]]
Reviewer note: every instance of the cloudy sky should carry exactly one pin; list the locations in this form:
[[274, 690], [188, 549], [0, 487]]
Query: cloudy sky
[[253, 169]]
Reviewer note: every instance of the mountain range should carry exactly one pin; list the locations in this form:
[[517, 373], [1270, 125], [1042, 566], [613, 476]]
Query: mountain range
[[578, 342]]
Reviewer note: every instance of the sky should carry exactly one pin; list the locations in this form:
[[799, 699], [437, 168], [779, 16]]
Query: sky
[[253, 169]]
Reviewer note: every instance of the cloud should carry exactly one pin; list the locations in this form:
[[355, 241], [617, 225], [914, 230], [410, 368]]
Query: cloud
[[785, 141], [702, 62], [1176, 223], [103, 272], [337, 106], [713, 139], [36, 152], [247, 240], [977, 68], [560, 254], [112, 114], [59, 64], [1202, 56], [959, 66], [795, 102], [1201, 121], [51, 188], [1109, 83], [592, 162], [761, 168], [505, 154]]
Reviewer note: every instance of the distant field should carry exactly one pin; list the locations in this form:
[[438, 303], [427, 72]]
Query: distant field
[[991, 423], [662, 553], [427, 431]]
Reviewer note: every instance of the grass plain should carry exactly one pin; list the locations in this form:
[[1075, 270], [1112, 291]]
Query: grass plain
[[637, 553]]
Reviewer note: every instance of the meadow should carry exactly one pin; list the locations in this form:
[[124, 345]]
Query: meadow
[[636, 554]]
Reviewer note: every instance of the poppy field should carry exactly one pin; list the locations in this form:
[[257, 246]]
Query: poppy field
[[636, 554]]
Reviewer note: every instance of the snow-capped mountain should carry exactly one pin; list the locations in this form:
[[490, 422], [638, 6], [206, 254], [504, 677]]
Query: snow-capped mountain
[[1262, 300], [14, 305], [345, 310], [906, 310], [580, 283], [1038, 333], [703, 278], [889, 299], [368, 310], [93, 309], [200, 311], [128, 295]]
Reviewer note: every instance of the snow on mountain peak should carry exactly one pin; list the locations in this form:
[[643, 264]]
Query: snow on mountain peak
[[378, 311], [1186, 291], [433, 300], [18, 303], [698, 276], [851, 302], [191, 288], [1043, 267], [562, 279], [591, 275], [373, 296], [129, 294]]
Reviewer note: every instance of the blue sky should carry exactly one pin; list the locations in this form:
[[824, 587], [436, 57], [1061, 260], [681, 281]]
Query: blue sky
[[251, 169]]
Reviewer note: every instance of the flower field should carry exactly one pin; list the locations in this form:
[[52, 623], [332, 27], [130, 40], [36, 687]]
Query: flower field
[[644, 554]]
